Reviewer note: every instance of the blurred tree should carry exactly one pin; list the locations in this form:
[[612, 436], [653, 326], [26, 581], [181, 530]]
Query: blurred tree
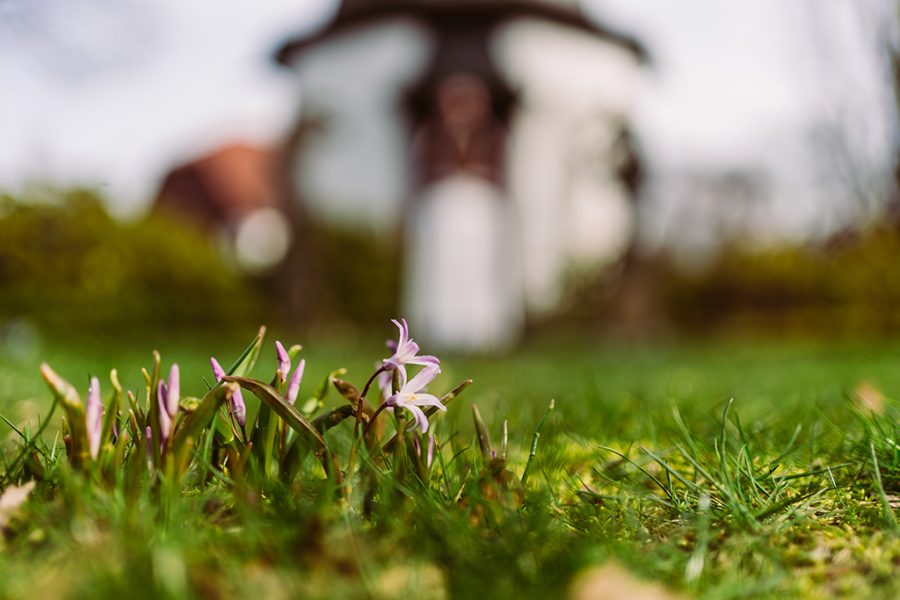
[[855, 44], [890, 36]]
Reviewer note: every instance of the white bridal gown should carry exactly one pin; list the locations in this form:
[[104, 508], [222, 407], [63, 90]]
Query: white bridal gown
[[463, 284]]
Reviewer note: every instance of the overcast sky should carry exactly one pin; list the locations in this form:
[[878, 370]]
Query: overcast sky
[[112, 92], [733, 71]]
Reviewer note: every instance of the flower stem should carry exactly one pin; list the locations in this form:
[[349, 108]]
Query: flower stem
[[359, 408], [377, 412], [371, 380]]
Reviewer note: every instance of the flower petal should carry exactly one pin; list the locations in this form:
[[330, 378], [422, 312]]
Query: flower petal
[[385, 383], [218, 371], [165, 420], [93, 417], [426, 360], [422, 378], [427, 400], [408, 352], [238, 408], [294, 386], [284, 360], [404, 332], [421, 419], [401, 377], [173, 390]]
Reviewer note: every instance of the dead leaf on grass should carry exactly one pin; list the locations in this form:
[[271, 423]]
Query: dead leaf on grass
[[868, 398], [612, 582]]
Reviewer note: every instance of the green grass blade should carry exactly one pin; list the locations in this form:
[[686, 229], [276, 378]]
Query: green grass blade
[[247, 359], [889, 515], [534, 442]]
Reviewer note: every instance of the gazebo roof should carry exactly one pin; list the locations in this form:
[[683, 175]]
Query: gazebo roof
[[354, 13]]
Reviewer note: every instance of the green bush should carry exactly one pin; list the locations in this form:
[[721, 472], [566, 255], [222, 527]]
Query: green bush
[[851, 285], [67, 264], [355, 276]]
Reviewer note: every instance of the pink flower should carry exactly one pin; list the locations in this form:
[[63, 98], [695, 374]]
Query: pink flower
[[284, 369], [173, 390], [284, 361], [293, 389], [406, 352], [93, 416], [165, 419], [411, 397], [238, 408], [168, 395]]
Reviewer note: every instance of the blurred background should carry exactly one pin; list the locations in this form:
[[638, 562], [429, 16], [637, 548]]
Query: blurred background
[[495, 170]]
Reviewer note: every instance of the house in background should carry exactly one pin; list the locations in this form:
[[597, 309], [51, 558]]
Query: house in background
[[491, 135], [233, 193]]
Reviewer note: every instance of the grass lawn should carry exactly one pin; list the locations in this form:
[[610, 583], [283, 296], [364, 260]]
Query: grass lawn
[[717, 470]]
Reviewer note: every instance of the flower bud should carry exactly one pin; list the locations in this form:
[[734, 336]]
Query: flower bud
[[60, 387], [284, 360], [173, 391], [294, 386], [93, 417]]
